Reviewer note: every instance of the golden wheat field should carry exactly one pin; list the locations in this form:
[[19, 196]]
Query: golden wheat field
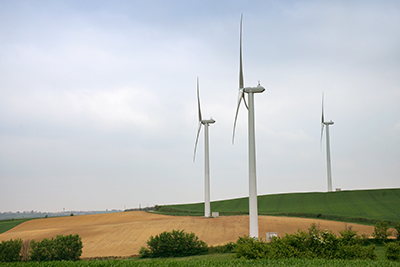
[[122, 234]]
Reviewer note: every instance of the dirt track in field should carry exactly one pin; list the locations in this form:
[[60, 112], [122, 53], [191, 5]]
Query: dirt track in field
[[122, 234]]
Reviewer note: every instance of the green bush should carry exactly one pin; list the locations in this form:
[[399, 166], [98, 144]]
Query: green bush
[[381, 230], [397, 227], [303, 245], [174, 244], [144, 252], [251, 248], [392, 251], [9, 250], [226, 248], [61, 248]]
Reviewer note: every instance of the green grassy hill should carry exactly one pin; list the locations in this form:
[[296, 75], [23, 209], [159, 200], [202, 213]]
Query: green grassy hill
[[362, 206]]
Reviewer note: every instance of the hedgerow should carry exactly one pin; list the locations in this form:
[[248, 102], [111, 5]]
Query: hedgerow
[[61, 248], [315, 244]]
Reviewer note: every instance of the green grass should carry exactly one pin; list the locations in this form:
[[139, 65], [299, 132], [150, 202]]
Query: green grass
[[6, 225], [207, 260], [361, 206]]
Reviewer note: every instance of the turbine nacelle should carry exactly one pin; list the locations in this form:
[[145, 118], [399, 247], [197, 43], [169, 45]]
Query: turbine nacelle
[[210, 121], [257, 89], [328, 122]]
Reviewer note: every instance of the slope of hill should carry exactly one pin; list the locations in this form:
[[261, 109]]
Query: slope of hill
[[122, 234], [362, 206]]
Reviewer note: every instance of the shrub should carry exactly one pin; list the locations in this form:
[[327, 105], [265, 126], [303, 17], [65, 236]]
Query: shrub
[[397, 227], [9, 250], [61, 248], [174, 244], [144, 252], [226, 248], [392, 251], [250, 248], [381, 230]]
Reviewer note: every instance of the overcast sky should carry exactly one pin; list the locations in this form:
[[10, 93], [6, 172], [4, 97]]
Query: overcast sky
[[98, 104]]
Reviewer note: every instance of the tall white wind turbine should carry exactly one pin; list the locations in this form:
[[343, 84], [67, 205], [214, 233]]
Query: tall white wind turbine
[[328, 149], [253, 209], [206, 123]]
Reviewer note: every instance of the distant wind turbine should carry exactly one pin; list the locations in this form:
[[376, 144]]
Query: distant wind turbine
[[206, 123], [328, 150], [253, 210]]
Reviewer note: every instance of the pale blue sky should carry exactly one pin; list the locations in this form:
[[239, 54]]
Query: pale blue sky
[[98, 99]]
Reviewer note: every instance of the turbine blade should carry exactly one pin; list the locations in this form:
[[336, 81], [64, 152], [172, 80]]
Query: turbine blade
[[245, 103], [241, 82], [322, 132], [241, 93], [198, 99], [322, 117], [197, 139]]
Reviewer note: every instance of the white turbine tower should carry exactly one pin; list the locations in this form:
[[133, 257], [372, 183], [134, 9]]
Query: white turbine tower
[[206, 123], [328, 150], [253, 210]]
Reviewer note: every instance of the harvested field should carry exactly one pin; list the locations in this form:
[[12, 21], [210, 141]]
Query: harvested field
[[122, 234]]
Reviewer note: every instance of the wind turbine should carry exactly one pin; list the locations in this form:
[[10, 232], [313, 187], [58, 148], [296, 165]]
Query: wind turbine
[[253, 209], [206, 123], [328, 150]]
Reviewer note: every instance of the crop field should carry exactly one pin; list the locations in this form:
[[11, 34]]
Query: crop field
[[364, 206], [122, 234], [6, 225]]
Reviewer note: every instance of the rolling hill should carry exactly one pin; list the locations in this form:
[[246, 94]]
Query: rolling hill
[[362, 206]]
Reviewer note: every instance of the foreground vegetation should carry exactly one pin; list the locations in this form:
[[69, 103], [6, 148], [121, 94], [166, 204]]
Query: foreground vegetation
[[209, 260], [61, 248], [312, 248], [360, 206]]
